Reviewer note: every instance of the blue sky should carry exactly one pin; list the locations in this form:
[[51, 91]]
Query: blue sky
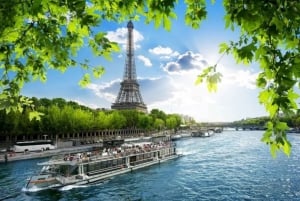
[[167, 64]]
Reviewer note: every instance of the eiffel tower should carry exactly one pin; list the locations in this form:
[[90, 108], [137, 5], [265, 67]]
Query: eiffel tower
[[129, 97]]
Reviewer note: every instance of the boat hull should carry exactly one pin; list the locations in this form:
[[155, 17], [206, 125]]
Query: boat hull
[[91, 167], [42, 182]]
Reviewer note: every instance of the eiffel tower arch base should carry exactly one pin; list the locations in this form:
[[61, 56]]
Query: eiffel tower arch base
[[130, 106]]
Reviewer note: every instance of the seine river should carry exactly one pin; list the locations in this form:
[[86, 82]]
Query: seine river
[[233, 165]]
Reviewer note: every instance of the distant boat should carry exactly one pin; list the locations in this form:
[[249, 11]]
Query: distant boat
[[202, 133], [185, 133], [89, 167], [176, 137]]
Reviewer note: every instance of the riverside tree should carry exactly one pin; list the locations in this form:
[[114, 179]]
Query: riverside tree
[[70, 117], [269, 35]]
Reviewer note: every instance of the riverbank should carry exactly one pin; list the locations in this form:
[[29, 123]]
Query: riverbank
[[43, 154]]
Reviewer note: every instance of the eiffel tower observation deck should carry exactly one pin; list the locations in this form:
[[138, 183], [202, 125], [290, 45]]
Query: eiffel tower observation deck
[[129, 97]]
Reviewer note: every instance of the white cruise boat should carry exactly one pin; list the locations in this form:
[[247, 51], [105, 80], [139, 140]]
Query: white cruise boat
[[89, 167]]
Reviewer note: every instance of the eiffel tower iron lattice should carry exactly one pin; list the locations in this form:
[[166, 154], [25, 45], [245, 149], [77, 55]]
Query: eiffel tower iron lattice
[[129, 97]]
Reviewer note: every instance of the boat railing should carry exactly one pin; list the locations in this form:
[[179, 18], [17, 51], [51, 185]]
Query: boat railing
[[73, 159], [128, 151], [141, 161], [97, 157], [104, 170]]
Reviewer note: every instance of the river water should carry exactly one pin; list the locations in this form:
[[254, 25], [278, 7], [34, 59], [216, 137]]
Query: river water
[[233, 165]]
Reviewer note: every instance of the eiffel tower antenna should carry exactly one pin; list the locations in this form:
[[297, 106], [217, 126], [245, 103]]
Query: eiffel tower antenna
[[129, 97]]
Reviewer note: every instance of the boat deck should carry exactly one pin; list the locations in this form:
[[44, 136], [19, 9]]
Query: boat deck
[[106, 154]]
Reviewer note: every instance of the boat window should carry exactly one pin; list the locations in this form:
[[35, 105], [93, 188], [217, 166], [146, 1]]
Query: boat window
[[62, 169], [109, 163], [98, 165], [132, 158], [85, 168], [141, 157], [121, 161], [74, 170], [104, 164], [114, 162], [91, 167]]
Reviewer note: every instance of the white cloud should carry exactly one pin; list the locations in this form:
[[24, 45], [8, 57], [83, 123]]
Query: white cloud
[[161, 50], [145, 60], [107, 91], [239, 78], [164, 52], [185, 62], [243, 78], [120, 36]]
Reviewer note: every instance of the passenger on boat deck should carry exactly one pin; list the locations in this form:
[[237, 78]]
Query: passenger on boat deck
[[66, 157], [79, 156]]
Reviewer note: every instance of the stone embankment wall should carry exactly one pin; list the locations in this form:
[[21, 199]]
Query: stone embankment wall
[[76, 138]]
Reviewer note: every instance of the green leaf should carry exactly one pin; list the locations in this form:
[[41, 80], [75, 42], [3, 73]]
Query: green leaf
[[35, 115], [12, 36], [199, 79], [157, 20], [212, 81], [72, 26], [292, 96], [246, 53], [204, 74], [267, 136], [273, 149], [212, 78], [99, 37], [293, 43], [85, 80], [166, 23], [272, 109], [269, 125], [282, 126], [228, 22], [223, 47], [98, 71], [264, 97], [287, 147], [115, 47], [261, 81]]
